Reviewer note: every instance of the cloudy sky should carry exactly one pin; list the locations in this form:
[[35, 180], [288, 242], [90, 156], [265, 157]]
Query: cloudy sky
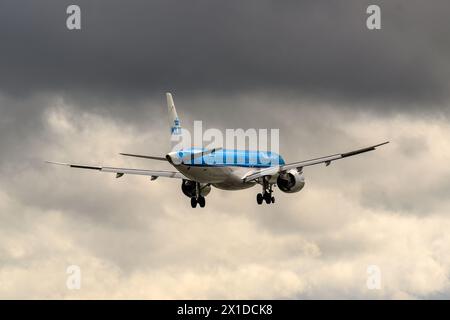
[[310, 68]]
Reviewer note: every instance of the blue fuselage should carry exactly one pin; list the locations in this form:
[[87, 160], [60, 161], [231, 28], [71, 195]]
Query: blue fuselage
[[231, 158]]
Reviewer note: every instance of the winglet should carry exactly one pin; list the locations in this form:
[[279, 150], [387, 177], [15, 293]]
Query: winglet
[[353, 153], [380, 144]]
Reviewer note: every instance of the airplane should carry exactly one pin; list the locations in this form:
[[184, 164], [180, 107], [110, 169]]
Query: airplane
[[200, 168]]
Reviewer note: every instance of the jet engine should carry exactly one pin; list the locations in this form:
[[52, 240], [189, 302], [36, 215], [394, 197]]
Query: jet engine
[[291, 181], [188, 188]]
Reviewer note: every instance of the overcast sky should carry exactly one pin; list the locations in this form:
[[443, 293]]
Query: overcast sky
[[310, 68]]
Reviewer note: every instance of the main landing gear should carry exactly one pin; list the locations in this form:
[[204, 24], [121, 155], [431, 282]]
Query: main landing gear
[[266, 195], [198, 198]]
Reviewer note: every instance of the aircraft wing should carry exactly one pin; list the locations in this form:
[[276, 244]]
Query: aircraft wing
[[299, 165], [154, 174]]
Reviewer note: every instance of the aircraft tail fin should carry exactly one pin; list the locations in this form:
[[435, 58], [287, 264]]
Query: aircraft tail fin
[[175, 124]]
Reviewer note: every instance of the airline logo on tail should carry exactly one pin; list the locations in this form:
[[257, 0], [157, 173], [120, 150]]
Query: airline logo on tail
[[176, 128]]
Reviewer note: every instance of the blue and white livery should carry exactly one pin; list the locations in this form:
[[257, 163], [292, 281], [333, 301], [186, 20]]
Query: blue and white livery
[[226, 169]]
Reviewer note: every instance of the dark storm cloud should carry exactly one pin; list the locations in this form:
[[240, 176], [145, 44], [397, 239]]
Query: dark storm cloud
[[142, 48]]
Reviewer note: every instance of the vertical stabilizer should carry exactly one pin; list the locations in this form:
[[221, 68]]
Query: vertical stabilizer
[[174, 121]]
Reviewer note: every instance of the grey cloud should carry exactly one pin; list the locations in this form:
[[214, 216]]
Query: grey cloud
[[143, 48]]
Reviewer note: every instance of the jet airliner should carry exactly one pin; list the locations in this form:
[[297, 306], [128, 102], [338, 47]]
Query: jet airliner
[[199, 169]]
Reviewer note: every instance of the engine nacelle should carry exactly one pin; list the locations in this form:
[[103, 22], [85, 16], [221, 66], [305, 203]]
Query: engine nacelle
[[291, 181], [188, 188]]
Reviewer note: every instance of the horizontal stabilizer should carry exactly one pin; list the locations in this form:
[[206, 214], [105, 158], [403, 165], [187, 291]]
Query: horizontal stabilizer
[[143, 156]]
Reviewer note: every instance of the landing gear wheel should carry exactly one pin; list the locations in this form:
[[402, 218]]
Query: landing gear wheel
[[272, 199], [268, 198], [193, 202], [259, 198], [201, 201]]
